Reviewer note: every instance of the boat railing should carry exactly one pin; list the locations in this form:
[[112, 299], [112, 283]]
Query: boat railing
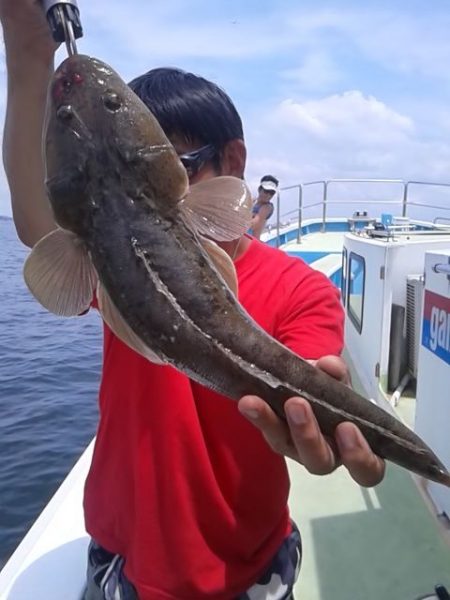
[[296, 216], [437, 219]]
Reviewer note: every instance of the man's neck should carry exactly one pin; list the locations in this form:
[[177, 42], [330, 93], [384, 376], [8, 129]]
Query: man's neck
[[236, 248]]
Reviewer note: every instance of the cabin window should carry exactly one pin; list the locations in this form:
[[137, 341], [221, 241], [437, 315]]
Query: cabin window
[[357, 277], [344, 276]]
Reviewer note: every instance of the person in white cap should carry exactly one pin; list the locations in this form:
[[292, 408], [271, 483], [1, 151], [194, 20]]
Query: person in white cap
[[263, 207]]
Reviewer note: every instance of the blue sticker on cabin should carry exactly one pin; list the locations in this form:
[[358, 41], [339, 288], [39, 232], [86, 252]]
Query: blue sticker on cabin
[[436, 325]]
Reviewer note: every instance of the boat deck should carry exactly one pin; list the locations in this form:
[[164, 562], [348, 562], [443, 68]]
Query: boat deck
[[366, 544], [382, 543], [316, 242]]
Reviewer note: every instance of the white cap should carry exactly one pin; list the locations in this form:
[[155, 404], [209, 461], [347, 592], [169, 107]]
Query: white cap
[[268, 186]]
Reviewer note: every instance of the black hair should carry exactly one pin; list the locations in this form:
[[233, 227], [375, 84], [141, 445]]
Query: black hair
[[269, 178], [189, 106]]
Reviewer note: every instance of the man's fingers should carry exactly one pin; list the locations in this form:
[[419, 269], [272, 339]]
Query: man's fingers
[[364, 466], [301, 439], [275, 431], [313, 450], [335, 367]]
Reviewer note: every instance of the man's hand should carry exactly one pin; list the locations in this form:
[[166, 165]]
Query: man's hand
[[300, 438], [25, 28], [29, 59]]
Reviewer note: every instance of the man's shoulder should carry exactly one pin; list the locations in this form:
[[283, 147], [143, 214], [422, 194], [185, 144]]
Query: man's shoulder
[[291, 275], [278, 257], [273, 270]]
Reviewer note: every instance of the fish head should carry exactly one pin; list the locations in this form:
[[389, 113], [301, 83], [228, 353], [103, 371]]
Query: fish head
[[97, 128]]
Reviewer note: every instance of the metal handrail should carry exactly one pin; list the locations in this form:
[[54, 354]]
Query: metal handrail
[[369, 201], [313, 204], [442, 268], [428, 206], [324, 202], [300, 209], [329, 182]]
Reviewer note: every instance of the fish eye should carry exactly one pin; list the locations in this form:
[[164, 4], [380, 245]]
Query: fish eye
[[64, 112], [112, 101]]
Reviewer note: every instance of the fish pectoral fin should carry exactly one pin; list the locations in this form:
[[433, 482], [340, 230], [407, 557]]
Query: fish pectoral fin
[[220, 207], [60, 274], [222, 262], [121, 329]]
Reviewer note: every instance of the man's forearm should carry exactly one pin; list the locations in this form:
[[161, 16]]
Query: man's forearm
[[28, 81], [257, 225]]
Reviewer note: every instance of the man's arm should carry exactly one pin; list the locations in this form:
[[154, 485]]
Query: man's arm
[[29, 61], [258, 221]]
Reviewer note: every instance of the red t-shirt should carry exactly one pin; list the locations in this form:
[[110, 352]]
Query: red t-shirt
[[182, 485]]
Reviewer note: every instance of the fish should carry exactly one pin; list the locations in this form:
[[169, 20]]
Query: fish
[[133, 234]]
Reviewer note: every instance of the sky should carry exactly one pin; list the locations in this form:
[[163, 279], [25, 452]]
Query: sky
[[339, 89]]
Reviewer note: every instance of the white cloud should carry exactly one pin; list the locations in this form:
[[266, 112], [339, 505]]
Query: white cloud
[[410, 43], [317, 71], [350, 117], [404, 41], [347, 135]]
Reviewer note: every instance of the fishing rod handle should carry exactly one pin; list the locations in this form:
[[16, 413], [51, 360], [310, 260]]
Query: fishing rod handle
[[64, 20]]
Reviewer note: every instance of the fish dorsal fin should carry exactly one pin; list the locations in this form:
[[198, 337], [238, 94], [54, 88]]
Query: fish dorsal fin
[[120, 328], [222, 262], [219, 208], [60, 274]]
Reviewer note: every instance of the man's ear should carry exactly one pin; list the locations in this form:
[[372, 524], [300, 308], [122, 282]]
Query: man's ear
[[234, 155]]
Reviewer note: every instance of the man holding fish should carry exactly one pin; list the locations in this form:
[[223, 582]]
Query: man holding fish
[[182, 486]]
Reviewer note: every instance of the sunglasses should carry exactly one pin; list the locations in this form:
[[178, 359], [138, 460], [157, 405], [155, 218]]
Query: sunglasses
[[194, 161]]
